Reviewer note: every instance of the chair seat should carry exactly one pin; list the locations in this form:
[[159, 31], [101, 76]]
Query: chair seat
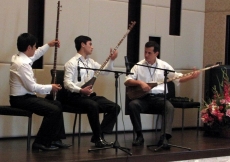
[[8, 110], [185, 105], [12, 111]]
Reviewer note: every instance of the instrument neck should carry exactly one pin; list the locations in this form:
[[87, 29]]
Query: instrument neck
[[56, 45], [107, 60], [168, 80]]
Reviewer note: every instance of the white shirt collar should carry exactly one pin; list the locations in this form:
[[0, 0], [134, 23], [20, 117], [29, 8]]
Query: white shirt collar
[[24, 57]]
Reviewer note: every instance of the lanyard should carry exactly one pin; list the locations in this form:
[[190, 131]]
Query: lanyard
[[86, 66], [151, 74]]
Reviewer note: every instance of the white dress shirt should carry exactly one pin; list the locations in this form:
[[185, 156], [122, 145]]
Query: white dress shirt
[[71, 71], [22, 79], [151, 75]]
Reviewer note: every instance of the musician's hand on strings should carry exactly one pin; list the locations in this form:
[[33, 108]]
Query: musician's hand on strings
[[56, 87], [145, 87], [195, 73], [87, 90], [53, 43], [114, 55]]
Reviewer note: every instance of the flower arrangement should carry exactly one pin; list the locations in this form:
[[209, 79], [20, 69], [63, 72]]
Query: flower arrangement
[[216, 113]]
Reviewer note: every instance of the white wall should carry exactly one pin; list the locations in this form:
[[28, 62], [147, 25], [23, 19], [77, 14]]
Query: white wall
[[105, 21]]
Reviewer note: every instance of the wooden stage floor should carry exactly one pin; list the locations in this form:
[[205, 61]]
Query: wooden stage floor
[[14, 149]]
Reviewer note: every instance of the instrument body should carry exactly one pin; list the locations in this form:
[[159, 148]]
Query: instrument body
[[96, 74], [55, 51], [135, 92]]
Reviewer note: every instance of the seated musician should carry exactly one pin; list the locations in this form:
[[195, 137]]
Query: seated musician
[[155, 96], [82, 97], [23, 90]]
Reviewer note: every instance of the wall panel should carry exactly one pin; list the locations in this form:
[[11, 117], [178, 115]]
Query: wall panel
[[195, 5], [106, 22], [189, 46], [107, 28], [162, 29], [73, 21], [13, 17], [148, 26]]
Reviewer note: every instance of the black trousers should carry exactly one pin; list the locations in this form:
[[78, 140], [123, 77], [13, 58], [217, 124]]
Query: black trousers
[[93, 105], [151, 105], [52, 127]]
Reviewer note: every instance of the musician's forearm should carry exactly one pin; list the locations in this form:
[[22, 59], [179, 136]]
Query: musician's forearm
[[189, 77], [185, 79], [132, 82]]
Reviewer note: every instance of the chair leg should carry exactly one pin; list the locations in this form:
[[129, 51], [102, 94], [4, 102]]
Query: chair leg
[[79, 130], [74, 125], [182, 120], [29, 132], [156, 123], [198, 117]]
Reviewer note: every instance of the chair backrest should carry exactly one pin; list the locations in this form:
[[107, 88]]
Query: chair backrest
[[62, 94], [171, 90]]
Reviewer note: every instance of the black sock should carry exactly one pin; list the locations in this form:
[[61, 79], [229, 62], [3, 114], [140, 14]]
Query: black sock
[[102, 135]]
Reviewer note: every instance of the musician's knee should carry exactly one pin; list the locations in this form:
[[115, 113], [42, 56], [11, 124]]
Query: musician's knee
[[118, 108], [133, 105], [169, 107]]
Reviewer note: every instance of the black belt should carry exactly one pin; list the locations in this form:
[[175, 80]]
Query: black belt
[[155, 94], [22, 96]]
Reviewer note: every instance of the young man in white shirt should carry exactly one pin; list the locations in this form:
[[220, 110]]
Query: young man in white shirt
[[84, 99], [23, 89], [154, 100]]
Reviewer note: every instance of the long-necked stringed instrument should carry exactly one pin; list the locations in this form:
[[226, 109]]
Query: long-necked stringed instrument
[[134, 92], [93, 79], [55, 51]]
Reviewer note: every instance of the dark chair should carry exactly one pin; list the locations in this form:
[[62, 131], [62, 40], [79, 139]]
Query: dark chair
[[62, 97], [11, 111], [177, 104], [182, 104]]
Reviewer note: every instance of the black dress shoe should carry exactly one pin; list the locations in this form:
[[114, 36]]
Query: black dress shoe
[[93, 140], [168, 136], [59, 144], [107, 143], [164, 146], [161, 142], [138, 141], [37, 147], [100, 143]]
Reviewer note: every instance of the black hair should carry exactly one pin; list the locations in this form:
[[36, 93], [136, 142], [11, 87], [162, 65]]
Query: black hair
[[24, 40], [155, 45], [81, 39]]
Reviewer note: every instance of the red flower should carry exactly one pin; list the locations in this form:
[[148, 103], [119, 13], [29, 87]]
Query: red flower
[[217, 113], [221, 107]]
